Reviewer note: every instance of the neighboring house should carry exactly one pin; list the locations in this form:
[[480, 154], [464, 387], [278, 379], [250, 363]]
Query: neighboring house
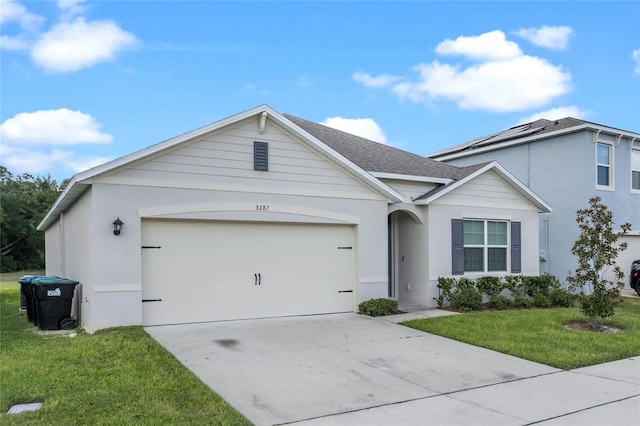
[[262, 214], [566, 162]]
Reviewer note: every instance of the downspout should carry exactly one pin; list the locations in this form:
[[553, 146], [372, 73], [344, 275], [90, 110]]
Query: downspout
[[62, 246]]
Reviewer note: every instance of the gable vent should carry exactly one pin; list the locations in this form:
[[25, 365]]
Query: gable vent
[[261, 156]]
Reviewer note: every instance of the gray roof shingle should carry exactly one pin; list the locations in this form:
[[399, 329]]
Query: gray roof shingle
[[376, 157]]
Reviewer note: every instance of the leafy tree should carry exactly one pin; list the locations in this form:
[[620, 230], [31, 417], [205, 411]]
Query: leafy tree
[[596, 249], [24, 201]]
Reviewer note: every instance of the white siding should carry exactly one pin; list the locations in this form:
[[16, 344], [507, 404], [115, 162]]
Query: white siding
[[225, 159], [486, 190]]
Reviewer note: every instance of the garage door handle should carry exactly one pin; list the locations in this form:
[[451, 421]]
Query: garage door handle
[[258, 279], [345, 291], [152, 300]]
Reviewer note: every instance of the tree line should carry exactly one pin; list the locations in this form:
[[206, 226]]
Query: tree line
[[24, 201]]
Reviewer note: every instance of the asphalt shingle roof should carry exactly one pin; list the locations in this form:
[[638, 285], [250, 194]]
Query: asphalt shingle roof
[[376, 157]]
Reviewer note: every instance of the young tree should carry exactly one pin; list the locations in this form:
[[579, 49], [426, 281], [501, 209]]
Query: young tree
[[596, 249]]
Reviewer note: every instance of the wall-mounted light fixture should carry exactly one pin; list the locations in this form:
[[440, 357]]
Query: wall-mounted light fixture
[[117, 226]]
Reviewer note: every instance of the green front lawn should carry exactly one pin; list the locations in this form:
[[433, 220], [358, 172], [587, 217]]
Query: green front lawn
[[115, 376], [539, 334]]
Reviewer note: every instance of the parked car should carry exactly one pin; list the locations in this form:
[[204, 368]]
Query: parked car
[[634, 276]]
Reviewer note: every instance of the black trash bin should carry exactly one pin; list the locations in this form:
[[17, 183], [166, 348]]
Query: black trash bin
[[26, 296], [53, 299]]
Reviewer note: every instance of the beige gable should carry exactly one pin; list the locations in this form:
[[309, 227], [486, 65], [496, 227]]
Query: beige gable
[[223, 160], [486, 190]]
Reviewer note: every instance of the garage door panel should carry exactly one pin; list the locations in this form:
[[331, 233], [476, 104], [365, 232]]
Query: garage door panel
[[206, 271]]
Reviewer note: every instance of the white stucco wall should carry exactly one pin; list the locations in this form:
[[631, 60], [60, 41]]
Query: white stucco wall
[[477, 202]]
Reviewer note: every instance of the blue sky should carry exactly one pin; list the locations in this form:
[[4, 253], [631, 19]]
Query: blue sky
[[86, 82]]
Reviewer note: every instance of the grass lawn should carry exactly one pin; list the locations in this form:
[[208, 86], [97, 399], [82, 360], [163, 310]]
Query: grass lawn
[[115, 376], [539, 334]]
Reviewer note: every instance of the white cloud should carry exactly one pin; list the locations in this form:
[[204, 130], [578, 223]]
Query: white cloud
[[71, 46], [70, 8], [363, 127], [556, 38], [488, 46], [12, 11], [18, 42], [636, 58], [32, 141], [52, 127], [22, 160], [517, 84], [369, 81], [502, 79], [556, 114]]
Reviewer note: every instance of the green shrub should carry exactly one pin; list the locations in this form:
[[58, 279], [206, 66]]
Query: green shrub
[[515, 284], [500, 302], [466, 298], [446, 286], [378, 307], [522, 302], [602, 304], [562, 297], [541, 300], [491, 286], [542, 284]]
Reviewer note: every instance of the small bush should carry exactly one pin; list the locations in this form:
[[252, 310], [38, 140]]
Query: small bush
[[562, 297], [515, 284], [378, 307], [541, 300], [491, 286], [446, 286], [542, 284], [500, 302], [522, 302], [466, 299]]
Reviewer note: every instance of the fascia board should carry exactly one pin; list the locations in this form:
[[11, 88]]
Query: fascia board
[[504, 174]]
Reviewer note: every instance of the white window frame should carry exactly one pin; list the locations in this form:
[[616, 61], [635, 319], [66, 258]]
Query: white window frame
[[486, 246], [634, 150], [610, 146]]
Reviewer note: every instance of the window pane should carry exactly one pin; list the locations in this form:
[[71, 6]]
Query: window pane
[[635, 180], [497, 233], [603, 154], [473, 232], [473, 260], [497, 259], [603, 175]]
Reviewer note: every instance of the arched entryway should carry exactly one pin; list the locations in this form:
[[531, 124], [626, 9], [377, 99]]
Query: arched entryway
[[408, 265]]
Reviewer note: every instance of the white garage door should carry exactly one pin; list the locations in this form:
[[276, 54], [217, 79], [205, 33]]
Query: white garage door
[[209, 271]]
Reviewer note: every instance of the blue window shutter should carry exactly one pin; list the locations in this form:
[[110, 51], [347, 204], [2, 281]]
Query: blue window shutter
[[516, 263], [457, 246], [261, 156]]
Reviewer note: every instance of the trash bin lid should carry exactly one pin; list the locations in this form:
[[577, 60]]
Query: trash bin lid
[[26, 279], [54, 281]]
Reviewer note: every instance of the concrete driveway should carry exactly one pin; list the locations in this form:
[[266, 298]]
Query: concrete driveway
[[349, 369]]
